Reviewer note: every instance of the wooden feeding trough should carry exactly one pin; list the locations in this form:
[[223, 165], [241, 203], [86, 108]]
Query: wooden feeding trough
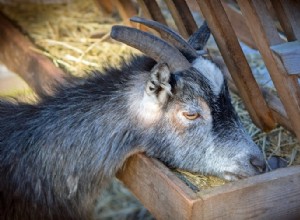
[[274, 195]]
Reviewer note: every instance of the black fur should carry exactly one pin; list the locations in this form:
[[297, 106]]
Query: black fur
[[44, 145]]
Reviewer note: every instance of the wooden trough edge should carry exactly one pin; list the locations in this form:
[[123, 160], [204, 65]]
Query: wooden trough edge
[[160, 191], [273, 194]]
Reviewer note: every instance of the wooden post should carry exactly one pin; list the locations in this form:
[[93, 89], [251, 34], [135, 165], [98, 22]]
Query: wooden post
[[238, 24], [288, 12], [265, 35], [152, 11], [182, 16], [17, 54], [105, 5], [237, 64], [274, 103], [126, 9]]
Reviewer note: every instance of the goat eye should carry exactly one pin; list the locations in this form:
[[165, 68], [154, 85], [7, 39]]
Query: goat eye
[[191, 116]]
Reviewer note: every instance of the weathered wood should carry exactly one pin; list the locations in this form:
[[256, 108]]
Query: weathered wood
[[239, 25], [278, 110], [265, 35], [152, 11], [160, 191], [105, 6], [260, 197], [17, 54], [126, 9], [289, 55], [274, 195], [182, 16], [274, 103], [236, 62], [288, 12], [260, 10]]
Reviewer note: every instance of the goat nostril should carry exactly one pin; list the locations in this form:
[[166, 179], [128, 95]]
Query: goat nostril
[[259, 164]]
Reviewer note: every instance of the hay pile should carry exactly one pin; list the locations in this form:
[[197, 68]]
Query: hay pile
[[76, 37]]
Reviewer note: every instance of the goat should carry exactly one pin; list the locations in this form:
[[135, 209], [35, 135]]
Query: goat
[[58, 154]]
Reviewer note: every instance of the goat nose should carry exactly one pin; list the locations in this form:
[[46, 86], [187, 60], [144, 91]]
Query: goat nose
[[258, 163]]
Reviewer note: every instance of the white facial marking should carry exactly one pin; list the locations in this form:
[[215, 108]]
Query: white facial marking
[[146, 108], [211, 72], [149, 109]]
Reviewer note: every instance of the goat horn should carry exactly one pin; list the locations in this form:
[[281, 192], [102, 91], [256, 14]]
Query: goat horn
[[169, 35], [199, 39], [156, 48]]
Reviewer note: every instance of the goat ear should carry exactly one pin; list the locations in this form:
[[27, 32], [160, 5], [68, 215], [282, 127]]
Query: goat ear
[[199, 39], [158, 86]]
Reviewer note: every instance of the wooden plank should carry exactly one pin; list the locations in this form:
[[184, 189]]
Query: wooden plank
[[288, 12], [274, 103], [237, 64], [106, 6], [17, 54], [265, 35], [160, 191], [126, 9], [182, 16], [239, 25], [289, 55], [193, 6], [152, 11], [273, 195], [266, 21], [278, 111], [258, 197]]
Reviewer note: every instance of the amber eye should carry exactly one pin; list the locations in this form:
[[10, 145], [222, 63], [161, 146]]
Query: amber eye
[[191, 116]]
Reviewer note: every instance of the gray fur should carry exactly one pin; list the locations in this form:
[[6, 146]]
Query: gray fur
[[58, 154]]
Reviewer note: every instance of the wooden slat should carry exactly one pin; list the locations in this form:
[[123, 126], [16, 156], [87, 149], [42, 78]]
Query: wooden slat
[[265, 35], [105, 5], [274, 195], [152, 11], [266, 21], [288, 12], [289, 55], [182, 16], [239, 25], [237, 64], [126, 9], [17, 54], [278, 111], [274, 103], [160, 191]]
